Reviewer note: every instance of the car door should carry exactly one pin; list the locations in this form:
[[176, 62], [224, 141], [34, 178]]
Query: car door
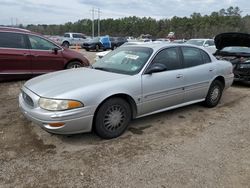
[[44, 57], [15, 60], [198, 72], [163, 89]]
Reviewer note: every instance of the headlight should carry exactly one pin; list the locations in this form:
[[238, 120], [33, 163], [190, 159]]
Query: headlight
[[58, 105]]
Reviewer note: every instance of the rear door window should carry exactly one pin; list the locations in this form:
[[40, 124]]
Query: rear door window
[[192, 56], [12, 40], [205, 57], [67, 35]]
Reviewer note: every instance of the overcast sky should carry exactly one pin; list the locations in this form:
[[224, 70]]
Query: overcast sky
[[62, 11]]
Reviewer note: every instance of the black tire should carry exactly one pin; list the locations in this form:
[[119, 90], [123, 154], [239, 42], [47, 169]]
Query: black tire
[[65, 44], [97, 47], [73, 64], [112, 118], [214, 94]]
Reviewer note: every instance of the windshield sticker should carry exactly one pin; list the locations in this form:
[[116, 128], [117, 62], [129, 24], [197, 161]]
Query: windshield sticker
[[131, 56], [134, 68]]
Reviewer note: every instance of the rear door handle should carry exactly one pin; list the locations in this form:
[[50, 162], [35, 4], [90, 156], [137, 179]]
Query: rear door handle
[[179, 76]]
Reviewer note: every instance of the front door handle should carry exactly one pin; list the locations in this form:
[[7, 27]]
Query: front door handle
[[179, 76]]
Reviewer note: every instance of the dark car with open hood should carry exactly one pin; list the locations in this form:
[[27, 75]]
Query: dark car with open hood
[[235, 47]]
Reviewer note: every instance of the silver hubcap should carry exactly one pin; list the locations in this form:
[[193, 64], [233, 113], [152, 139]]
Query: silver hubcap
[[215, 94], [75, 66], [114, 118]]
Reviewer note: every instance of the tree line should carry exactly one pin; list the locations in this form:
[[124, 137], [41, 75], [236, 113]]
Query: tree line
[[195, 26]]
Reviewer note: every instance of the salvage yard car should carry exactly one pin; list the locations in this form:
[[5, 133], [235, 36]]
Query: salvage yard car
[[24, 54], [235, 47], [70, 39], [129, 82], [205, 43], [97, 44]]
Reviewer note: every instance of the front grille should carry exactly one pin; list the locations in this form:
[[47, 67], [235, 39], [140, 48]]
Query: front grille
[[27, 99]]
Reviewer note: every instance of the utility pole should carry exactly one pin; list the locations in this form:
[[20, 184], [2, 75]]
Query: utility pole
[[93, 11], [93, 23], [99, 22]]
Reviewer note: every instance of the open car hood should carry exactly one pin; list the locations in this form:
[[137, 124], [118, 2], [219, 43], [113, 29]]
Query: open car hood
[[232, 39]]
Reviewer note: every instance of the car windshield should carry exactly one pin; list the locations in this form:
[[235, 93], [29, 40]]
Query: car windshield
[[195, 42], [236, 49], [124, 60]]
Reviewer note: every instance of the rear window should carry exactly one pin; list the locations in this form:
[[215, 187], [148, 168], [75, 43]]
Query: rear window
[[12, 40]]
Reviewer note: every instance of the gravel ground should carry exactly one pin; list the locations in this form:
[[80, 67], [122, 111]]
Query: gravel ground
[[188, 147]]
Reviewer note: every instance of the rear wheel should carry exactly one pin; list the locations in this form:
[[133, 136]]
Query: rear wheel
[[74, 64], [214, 94], [112, 118]]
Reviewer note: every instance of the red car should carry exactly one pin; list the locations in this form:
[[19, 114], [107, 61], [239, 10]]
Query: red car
[[24, 54]]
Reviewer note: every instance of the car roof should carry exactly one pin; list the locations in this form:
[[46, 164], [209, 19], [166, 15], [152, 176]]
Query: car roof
[[73, 33], [201, 39], [14, 29], [158, 46]]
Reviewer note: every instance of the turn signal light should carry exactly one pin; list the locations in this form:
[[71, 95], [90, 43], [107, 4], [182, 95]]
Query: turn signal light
[[56, 124], [74, 104]]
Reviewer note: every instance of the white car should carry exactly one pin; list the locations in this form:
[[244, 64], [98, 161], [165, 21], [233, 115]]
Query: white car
[[206, 43]]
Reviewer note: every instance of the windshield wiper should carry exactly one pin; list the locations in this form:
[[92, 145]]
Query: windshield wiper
[[101, 68]]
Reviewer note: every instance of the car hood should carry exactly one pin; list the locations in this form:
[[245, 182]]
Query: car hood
[[232, 39], [57, 83]]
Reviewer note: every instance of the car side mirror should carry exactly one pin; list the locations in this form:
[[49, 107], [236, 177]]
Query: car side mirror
[[206, 45], [55, 50], [157, 67]]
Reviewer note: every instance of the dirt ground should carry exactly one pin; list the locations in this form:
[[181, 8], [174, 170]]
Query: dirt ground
[[188, 147]]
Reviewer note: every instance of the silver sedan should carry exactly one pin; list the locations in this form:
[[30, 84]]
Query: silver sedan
[[130, 82]]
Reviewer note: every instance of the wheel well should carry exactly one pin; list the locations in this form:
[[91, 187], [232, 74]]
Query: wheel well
[[65, 42], [221, 79], [125, 97], [72, 60]]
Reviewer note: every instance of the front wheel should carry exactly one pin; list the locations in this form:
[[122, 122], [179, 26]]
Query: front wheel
[[97, 48], [214, 94], [112, 118], [74, 64], [65, 44]]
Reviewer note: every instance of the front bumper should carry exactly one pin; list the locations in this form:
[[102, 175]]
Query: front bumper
[[242, 72], [242, 75], [89, 47], [75, 121]]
